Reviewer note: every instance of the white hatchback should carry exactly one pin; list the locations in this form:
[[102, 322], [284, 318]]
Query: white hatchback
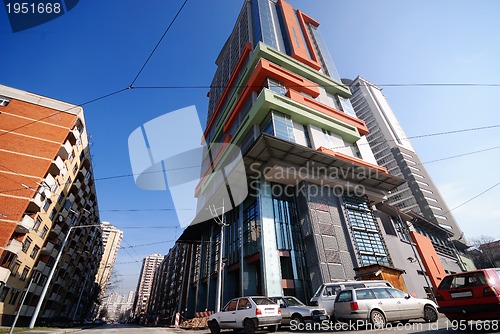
[[248, 313]]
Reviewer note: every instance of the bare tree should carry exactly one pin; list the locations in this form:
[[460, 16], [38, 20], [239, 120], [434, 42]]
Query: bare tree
[[484, 251]]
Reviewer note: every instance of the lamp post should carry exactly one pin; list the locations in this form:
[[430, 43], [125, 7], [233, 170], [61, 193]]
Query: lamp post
[[221, 222], [49, 278]]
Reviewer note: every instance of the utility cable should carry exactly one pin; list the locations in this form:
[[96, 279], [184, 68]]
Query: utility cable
[[158, 44], [473, 198]]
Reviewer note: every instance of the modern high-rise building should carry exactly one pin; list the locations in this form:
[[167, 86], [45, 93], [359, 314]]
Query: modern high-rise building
[[111, 239], [312, 179], [46, 192], [415, 213], [149, 266], [393, 150]]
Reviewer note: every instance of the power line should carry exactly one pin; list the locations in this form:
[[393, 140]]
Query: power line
[[459, 155], [473, 198], [158, 44]]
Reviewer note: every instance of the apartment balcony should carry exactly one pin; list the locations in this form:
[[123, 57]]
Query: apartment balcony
[[84, 171], [77, 184], [37, 202], [65, 150], [74, 135], [57, 166], [25, 225], [48, 248], [14, 246], [4, 275]]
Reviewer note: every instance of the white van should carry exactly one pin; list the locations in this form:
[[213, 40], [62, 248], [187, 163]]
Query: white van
[[326, 293]]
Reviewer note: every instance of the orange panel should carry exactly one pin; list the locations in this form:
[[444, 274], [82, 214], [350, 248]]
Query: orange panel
[[209, 171], [357, 123], [304, 20], [429, 257], [298, 45], [234, 75], [352, 159], [265, 69]]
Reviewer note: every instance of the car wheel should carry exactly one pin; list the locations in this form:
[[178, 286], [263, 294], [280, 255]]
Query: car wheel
[[249, 326], [296, 320], [430, 314], [214, 327], [273, 328], [377, 319]]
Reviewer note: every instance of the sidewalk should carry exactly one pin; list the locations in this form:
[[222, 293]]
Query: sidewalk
[[43, 330]]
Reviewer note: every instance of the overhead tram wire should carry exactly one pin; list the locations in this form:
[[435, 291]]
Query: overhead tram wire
[[157, 44], [473, 198]]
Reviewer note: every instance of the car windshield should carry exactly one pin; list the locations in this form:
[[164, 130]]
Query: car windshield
[[292, 301], [263, 301], [462, 281]]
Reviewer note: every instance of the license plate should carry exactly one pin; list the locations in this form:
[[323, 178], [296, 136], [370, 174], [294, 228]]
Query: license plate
[[269, 310], [322, 317], [461, 294]]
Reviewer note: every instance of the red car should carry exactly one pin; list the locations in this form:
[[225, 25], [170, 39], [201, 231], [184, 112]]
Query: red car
[[472, 295]]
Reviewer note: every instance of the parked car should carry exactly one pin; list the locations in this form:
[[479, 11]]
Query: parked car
[[472, 295], [327, 292], [294, 311], [381, 305], [248, 313]]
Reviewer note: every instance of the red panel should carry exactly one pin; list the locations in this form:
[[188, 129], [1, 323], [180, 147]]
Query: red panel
[[307, 101], [297, 43], [430, 259], [234, 75]]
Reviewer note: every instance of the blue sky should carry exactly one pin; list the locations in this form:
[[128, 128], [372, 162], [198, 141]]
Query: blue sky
[[99, 47]]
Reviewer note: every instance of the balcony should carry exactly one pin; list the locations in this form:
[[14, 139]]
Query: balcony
[[57, 166], [14, 246], [74, 135], [37, 202], [25, 225], [65, 150], [4, 275], [48, 248]]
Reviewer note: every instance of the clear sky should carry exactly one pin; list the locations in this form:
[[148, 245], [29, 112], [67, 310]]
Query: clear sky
[[98, 48]]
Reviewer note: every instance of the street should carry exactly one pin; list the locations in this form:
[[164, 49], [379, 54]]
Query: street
[[442, 326]]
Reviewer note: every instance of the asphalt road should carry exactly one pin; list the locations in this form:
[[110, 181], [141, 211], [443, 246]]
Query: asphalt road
[[442, 326]]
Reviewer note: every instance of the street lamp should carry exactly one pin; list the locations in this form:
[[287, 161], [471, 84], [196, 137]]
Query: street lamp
[[221, 222], [49, 278]]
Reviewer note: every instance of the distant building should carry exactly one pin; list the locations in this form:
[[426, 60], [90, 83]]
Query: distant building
[[149, 265], [169, 284], [111, 239], [46, 187]]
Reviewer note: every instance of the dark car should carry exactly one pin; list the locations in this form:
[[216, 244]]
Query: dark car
[[472, 295]]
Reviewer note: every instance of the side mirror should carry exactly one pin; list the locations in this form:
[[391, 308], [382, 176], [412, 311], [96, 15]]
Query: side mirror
[[407, 296]]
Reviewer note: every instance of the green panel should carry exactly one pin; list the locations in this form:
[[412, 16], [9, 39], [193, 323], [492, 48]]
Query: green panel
[[295, 66], [300, 113]]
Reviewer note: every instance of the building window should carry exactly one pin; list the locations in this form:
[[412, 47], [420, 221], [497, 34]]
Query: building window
[[275, 86], [52, 214], [38, 221], [15, 267], [47, 204], [4, 293], [24, 274], [13, 296], [251, 226], [366, 234], [27, 244], [44, 232], [279, 125], [34, 252]]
